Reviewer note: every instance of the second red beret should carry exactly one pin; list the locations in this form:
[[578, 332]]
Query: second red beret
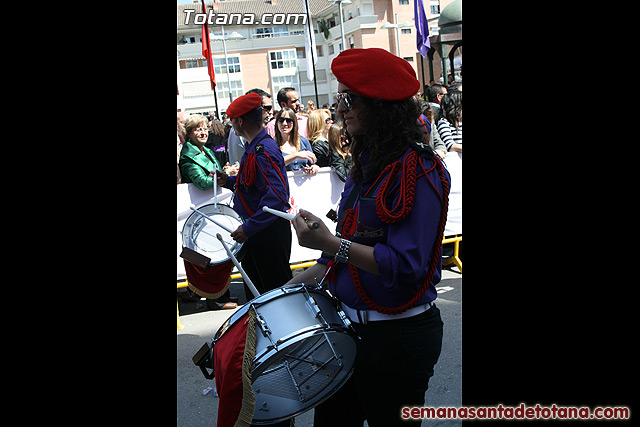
[[243, 104]]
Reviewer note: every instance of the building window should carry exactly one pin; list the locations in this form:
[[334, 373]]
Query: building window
[[406, 31], [222, 88], [279, 31], [278, 82], [282, 59], [263, 32], [283, 67], [191, 63], [404, 1], [220, 66], [321, 76], [435, 6]]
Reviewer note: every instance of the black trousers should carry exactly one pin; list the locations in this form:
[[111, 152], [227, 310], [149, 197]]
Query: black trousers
[[266, 260], [392, 369]]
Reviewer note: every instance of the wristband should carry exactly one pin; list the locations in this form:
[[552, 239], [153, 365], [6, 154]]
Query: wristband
[[343, 252]]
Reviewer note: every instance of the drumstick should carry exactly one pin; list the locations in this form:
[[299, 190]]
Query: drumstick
[[224, 227], [215, 188], [311, 224], [246, 278]]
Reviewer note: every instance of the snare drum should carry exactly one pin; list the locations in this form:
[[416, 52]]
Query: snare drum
[[305, 350], [199, 235]]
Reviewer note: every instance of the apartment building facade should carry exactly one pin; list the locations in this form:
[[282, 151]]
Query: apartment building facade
[[265, 45]]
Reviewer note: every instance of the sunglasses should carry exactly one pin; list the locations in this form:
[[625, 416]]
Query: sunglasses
[[345, 98], [267, 107], [285, 119]]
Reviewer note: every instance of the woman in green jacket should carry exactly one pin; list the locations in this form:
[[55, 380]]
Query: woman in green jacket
[[197, 162]]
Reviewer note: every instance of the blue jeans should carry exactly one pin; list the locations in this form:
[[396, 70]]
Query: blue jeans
[[392, 369]]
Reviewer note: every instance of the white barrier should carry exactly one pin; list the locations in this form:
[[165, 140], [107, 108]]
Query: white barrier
[[316, 194], [453, 162]]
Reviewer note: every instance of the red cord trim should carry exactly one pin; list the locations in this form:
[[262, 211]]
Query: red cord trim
[[401, 209]]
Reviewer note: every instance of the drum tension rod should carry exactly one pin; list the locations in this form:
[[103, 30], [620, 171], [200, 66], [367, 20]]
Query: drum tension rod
[[264, 327]]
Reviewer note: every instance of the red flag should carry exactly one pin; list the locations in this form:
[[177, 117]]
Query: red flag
[[206, 49]]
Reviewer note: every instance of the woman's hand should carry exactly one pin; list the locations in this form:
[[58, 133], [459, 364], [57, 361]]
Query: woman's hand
[[307, 155], [320, 238], [231, 170], [311, 170], [456, 147]]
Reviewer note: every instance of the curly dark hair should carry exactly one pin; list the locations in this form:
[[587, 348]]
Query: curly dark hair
[[451, 107], [389, 126]]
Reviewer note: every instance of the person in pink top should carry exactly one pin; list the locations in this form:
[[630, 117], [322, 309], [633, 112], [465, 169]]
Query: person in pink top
[[288, 98]]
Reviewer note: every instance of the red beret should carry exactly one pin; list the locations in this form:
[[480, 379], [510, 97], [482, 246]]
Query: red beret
[[243, 104], [375, 73]]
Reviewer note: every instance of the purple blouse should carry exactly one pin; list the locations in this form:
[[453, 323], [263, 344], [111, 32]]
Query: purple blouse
[[402, 250]]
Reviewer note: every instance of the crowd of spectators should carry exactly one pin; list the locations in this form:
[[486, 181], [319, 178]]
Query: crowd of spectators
[[309, 139]]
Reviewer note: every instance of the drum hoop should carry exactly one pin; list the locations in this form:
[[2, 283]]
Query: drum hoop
[[223, 208]]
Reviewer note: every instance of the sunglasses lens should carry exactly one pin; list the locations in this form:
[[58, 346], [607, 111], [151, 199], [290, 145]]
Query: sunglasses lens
[[345, 99]]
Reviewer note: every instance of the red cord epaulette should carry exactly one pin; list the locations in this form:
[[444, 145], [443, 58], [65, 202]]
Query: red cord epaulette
[[402, 208], [247, 172], [247, 176]]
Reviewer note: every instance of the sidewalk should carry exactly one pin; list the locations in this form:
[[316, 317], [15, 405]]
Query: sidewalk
[[200, 325]]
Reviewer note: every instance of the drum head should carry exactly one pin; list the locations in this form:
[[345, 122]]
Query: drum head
[[302, 375], [199, 234]]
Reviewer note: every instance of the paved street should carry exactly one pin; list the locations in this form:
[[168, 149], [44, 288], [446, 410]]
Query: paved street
[[200, 325]]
